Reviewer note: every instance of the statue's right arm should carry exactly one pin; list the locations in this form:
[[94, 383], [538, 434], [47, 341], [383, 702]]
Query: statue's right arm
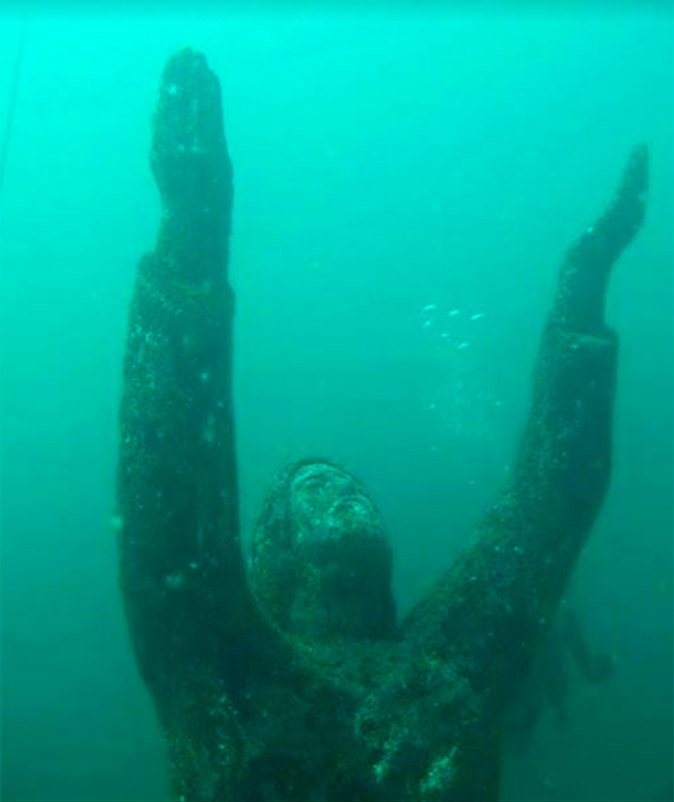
[[200, 640], [181, 567]]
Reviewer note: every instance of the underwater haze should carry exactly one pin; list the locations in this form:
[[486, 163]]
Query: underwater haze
[[406, 184]]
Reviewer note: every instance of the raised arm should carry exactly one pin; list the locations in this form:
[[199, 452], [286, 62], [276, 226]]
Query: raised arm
[[181, 568], [488, 612]]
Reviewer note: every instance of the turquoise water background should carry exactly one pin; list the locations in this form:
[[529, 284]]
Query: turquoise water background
[[384, 162]]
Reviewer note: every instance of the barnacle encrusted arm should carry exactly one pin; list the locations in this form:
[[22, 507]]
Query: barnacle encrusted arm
[[181, 567], [487, 613], [433, 728]]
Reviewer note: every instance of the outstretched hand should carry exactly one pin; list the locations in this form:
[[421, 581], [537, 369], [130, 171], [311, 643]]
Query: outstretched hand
[[603, 242], [189, 155], [625, 214], [585, 274]]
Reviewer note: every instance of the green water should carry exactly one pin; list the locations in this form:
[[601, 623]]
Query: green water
[[384, 162]]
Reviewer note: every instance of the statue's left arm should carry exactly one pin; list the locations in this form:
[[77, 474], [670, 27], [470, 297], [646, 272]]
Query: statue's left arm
[[487, 614]]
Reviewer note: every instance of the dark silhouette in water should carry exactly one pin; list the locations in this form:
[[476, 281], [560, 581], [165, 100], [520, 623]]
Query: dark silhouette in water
[[293, 680], [548, 681]]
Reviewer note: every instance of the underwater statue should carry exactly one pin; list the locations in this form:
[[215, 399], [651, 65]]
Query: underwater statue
[[290, 678]]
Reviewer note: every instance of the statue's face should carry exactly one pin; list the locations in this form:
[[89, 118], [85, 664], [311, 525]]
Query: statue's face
[[321, 563], [330, 506]]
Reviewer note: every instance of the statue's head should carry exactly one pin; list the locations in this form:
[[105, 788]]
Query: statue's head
[[321, 564]]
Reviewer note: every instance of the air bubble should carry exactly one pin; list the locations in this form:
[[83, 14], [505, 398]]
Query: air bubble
[[174, 581], [209, 429], [429, 315]]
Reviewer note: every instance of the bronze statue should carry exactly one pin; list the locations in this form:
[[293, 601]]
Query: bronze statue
[[292, 679]]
